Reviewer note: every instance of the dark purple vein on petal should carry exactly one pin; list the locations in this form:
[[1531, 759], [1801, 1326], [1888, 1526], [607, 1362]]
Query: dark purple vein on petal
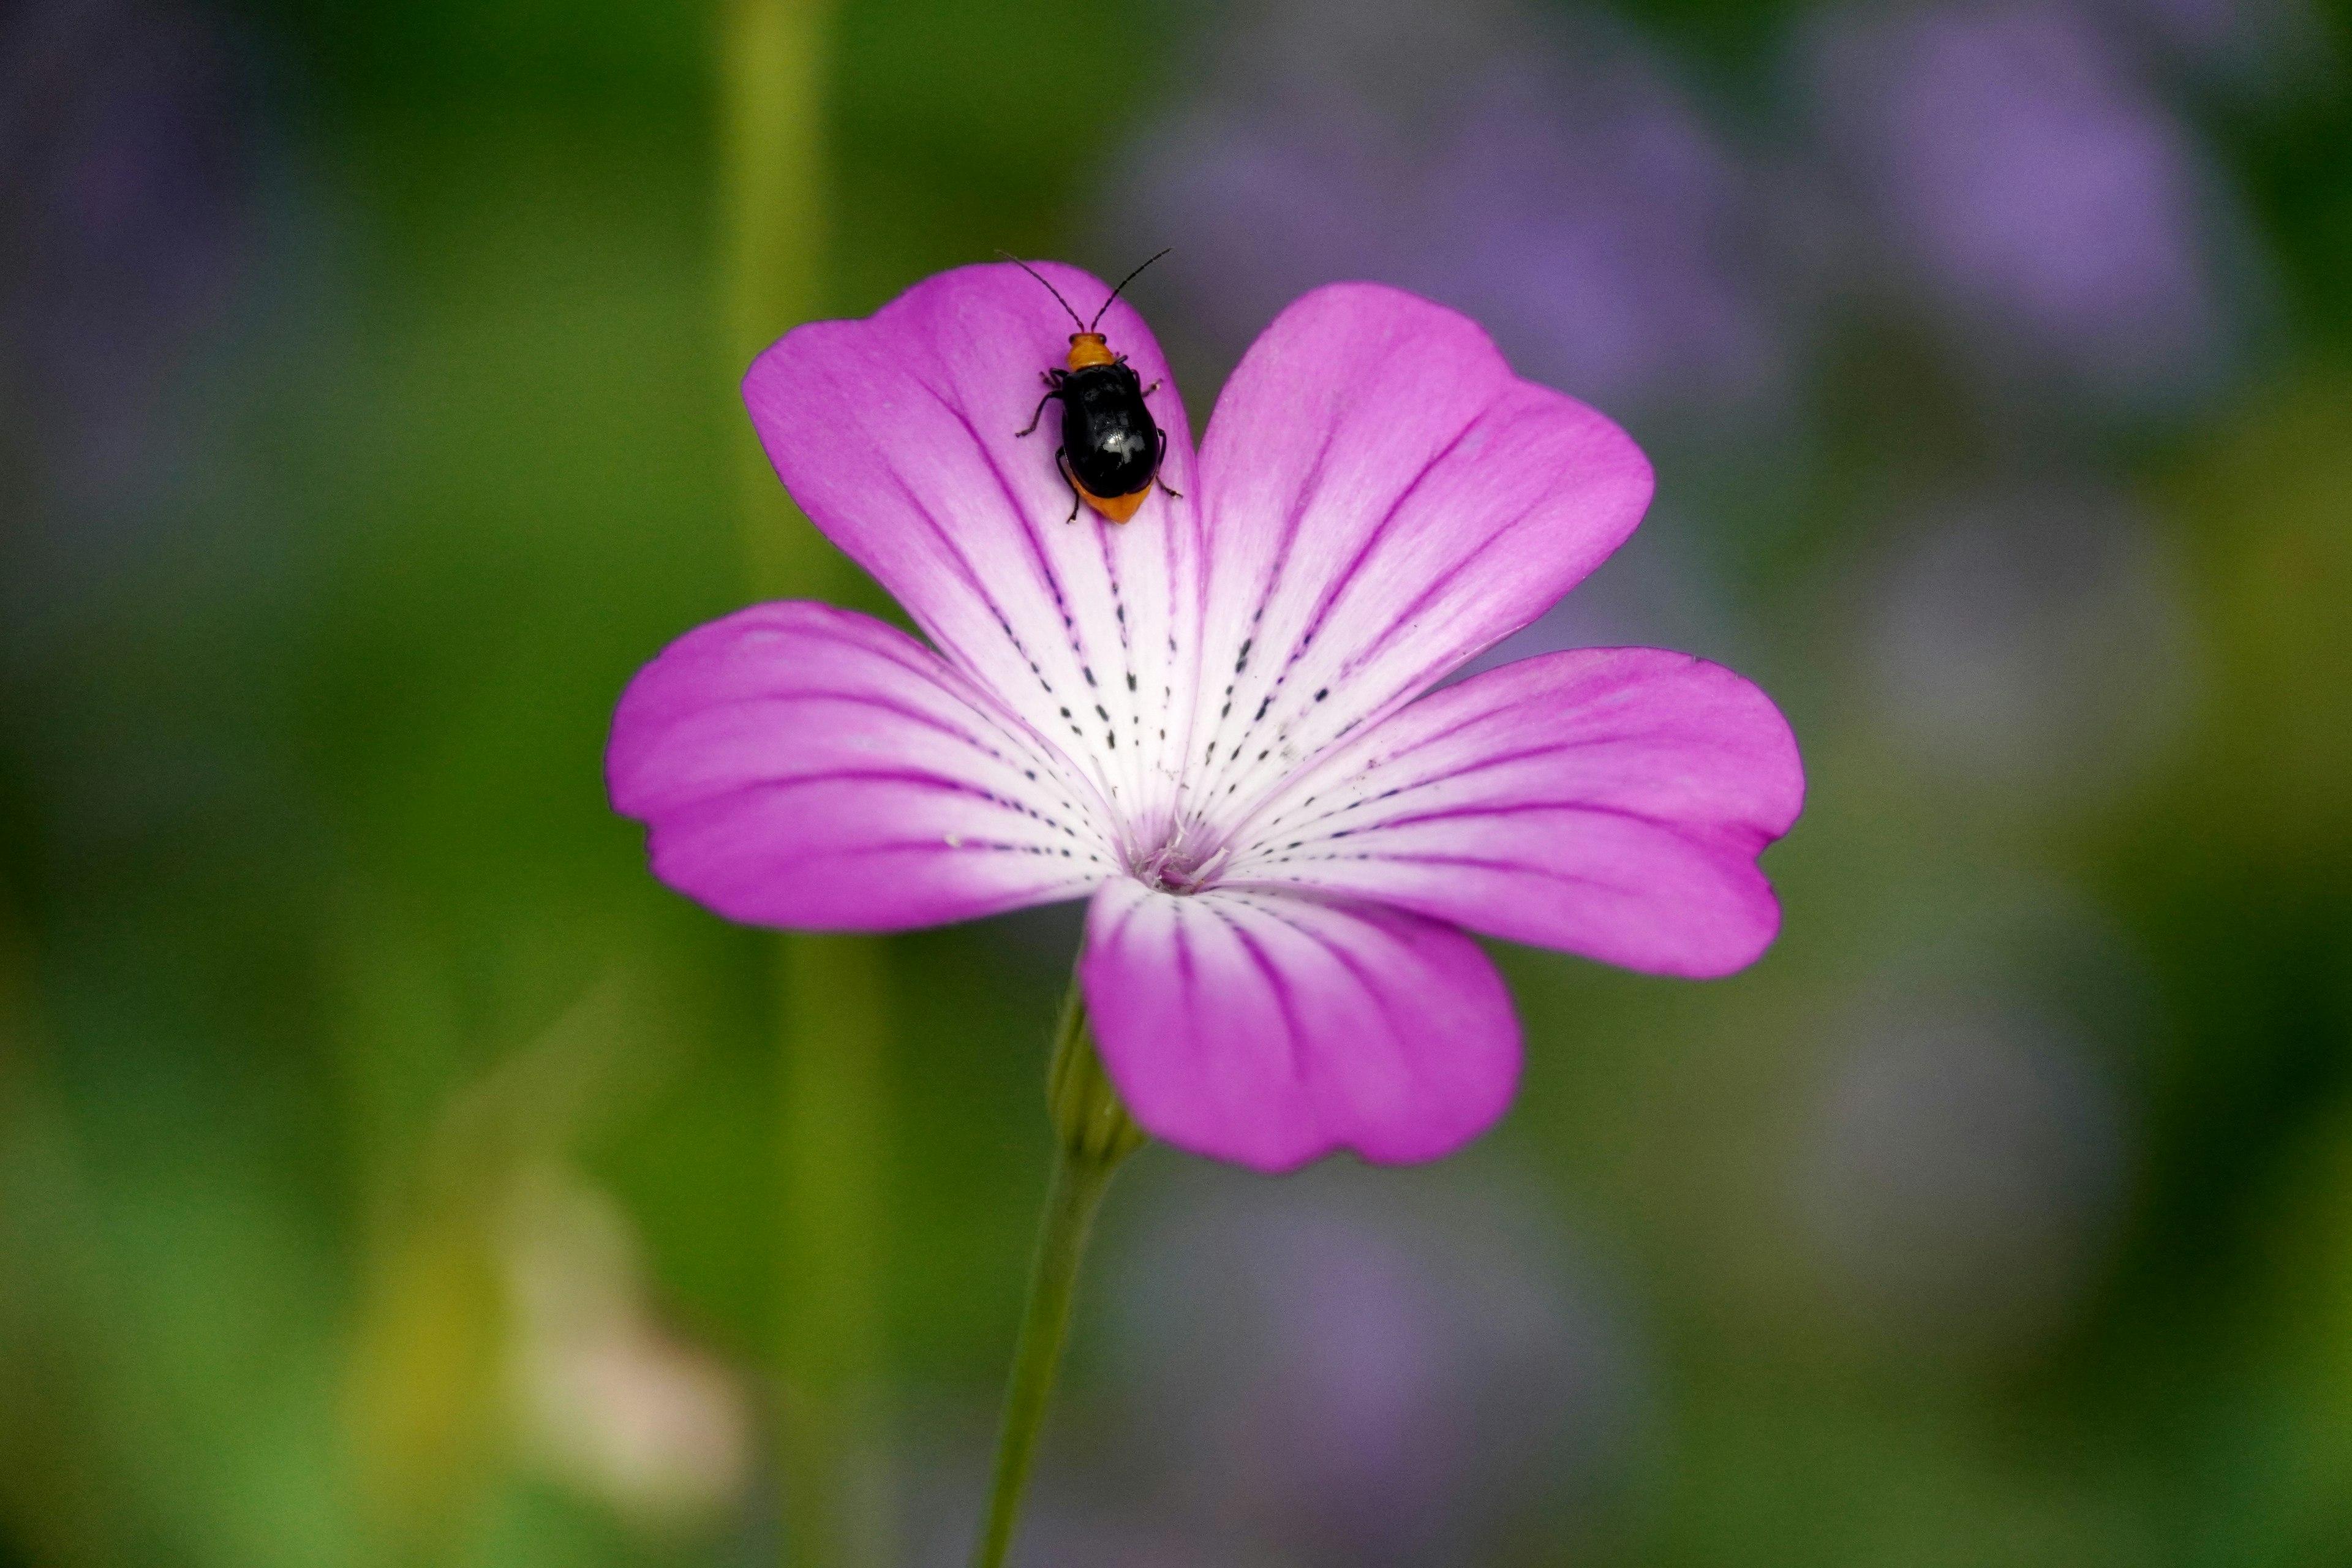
[[1265, 904], [1293, 1036]]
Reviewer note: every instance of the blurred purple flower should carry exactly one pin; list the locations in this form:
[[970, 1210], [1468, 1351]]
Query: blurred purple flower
[[1551, 183], [2248, 46], [2194, 27], [1968, 1164], [2037, 639], [1343, 1374], [144, 231], [127, 197], [2040, 194]]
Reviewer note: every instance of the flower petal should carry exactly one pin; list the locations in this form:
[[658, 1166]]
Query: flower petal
[[896, 434], [1607, 801], [1271, 1030], [808, 767], [1382, 498]]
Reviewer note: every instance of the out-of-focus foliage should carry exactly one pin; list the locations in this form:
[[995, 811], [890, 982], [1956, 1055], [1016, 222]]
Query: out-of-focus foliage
[[387, 1165]]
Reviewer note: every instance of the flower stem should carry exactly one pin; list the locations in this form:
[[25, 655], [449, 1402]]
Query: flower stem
[[1093, 1134]]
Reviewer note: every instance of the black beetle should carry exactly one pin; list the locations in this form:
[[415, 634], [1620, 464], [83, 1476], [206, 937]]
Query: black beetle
[[1111, 447]]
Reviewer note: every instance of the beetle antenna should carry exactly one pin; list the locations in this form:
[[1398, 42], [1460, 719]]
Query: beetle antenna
[[1124, 282], [1056, 293]]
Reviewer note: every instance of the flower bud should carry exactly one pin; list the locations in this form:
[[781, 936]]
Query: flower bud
[[1088, 1118]]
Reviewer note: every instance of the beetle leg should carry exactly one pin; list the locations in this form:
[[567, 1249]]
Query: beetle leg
[[1041, 411], [1163, 484], [1063, 463]]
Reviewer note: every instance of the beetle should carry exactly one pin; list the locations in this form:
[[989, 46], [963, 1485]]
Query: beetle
[[1111, 447]]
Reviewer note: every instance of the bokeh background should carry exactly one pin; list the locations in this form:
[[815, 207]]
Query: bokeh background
[[390, 1169]]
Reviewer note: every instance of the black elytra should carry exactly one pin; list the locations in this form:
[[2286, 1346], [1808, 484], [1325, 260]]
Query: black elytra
[[1111, 447]]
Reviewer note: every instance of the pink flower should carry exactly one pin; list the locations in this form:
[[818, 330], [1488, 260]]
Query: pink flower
[[1206, 720]]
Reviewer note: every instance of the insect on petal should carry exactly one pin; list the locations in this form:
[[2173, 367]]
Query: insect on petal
[[896, 434]]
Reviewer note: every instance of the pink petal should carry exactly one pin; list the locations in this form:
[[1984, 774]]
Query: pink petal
[[1270, 1029], [1607, 801], [896, 434], [807, 767], [1382, 498]]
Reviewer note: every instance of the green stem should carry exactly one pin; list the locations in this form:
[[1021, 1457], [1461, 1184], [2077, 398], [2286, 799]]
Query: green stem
[[1071, 1200], [834, 1027], [776, 213], [832, 1022], [1092, 1135]]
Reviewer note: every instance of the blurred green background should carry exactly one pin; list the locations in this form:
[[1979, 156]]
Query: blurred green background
[[391, 1171]]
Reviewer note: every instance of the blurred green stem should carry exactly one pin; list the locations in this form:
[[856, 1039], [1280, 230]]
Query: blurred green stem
[[832, 1018], [1093, 1134], [775, 208], [833, 1023]]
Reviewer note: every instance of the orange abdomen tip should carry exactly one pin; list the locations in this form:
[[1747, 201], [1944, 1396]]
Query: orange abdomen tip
[[1090, 349], [1118, 509]]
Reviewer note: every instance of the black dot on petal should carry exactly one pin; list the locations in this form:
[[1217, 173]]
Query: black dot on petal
[[1065, 712], [1130, 681], [1322, 694]]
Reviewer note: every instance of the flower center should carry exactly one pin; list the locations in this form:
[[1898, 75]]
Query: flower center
[[1177, 866]]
